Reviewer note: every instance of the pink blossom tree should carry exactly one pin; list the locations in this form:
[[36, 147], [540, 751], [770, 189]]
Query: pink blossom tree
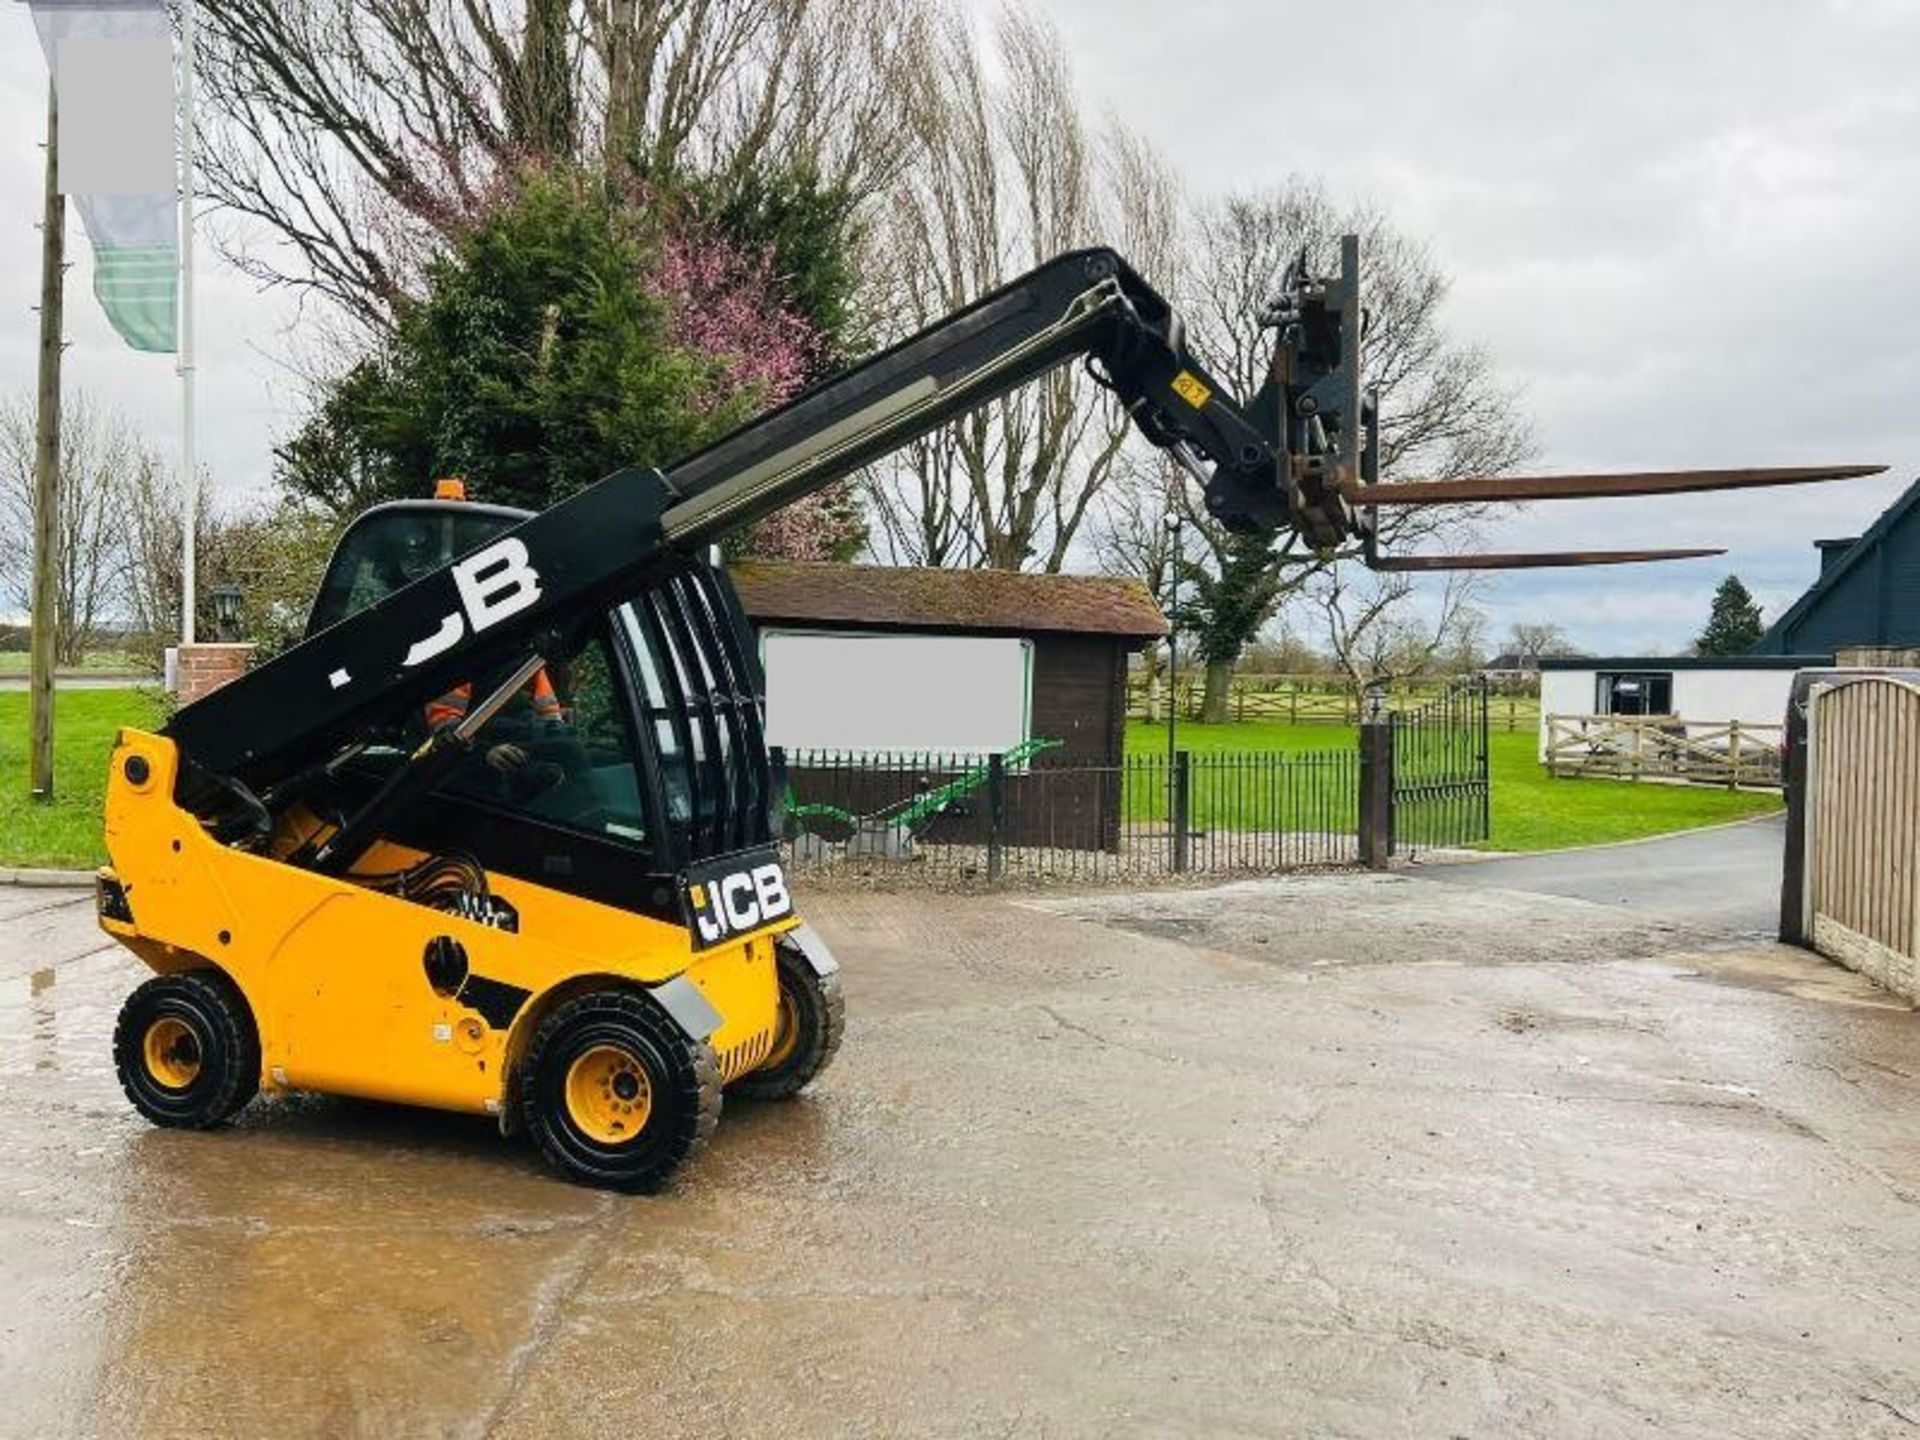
[[727, 305]]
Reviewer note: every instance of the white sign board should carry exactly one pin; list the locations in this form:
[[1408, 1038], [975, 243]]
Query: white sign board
[[936, 694]]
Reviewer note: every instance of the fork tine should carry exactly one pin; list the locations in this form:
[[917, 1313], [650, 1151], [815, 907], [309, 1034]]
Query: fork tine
[[1539, 560], [1477, 489]]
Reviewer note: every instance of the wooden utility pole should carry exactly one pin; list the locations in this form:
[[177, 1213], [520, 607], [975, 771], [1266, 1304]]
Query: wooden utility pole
[[46, 465]]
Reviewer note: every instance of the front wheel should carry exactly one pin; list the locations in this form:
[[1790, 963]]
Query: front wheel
[[806, 1036], [615, 1093], [186, 1050]]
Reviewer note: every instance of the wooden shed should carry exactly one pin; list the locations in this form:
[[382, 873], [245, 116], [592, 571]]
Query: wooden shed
[[1058, 674]]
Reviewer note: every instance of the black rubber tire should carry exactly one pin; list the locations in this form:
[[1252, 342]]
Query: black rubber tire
[[683, 1077], [821, 1015], [224, 1037]]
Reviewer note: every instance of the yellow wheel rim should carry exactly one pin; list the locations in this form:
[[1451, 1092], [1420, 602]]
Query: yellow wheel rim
[[173, 1052], [786, 1032], [608, 1094]]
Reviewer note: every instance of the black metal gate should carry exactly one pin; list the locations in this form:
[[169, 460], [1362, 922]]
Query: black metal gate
[[1440, 787]]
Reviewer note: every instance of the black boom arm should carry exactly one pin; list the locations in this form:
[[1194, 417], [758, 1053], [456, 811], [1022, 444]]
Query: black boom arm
[[1301, 455], [1088, 303], [526, 591]]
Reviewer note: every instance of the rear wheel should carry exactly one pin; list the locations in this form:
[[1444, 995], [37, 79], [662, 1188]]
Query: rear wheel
[[806, 1035], [186, 1050], [616, 1094]]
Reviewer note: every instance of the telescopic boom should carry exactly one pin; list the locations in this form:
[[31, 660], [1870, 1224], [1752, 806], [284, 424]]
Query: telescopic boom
[[1301, 456]]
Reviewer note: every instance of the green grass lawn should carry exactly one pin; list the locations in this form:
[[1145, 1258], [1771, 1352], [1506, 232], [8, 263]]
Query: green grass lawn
[[107, 662], [1532, 810], [67, 831], [1240, 787]]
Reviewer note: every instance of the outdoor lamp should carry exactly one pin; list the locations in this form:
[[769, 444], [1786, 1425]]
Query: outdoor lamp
[[226, 611]]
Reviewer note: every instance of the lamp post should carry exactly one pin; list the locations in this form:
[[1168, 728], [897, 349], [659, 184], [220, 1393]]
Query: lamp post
[[226, 611], [1172, 520]]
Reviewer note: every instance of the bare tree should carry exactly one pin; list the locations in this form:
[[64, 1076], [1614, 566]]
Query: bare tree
[[100, 455], [358, 133], [1532, 641], [1442, 411], [273, 553], [1133, 537], [1378, 638], [1004, 173], [151, 553], [1285, 651]]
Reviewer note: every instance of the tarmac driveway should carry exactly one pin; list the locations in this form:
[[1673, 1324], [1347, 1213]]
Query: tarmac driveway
[[1725, 878], [1346, 1155]]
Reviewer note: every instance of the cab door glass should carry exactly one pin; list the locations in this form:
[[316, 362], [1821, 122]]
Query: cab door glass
[[713, 739], [560, 751], [729, 661], [663, 711]]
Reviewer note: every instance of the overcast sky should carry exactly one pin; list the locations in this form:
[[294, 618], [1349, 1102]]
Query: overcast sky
[[1687, 230]]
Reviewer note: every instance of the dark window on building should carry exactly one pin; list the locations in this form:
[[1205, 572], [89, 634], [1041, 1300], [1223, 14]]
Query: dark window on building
[[1634, 693]]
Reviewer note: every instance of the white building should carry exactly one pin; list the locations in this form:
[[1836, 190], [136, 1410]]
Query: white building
[[1699, 691]]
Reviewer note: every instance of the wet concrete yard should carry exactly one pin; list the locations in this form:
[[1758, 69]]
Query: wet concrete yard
[[1344, 1155]]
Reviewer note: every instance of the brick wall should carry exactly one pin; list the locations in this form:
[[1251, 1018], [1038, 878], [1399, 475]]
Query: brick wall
[[205, 668]]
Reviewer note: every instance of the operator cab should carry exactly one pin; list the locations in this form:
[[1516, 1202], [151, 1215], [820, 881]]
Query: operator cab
[[634, 754], [390, 546]]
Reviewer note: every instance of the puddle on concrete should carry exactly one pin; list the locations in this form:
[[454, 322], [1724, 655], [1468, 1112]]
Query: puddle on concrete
[[1063, 1179]]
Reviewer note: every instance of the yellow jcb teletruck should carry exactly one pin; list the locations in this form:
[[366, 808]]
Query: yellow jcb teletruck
[[500, 835]]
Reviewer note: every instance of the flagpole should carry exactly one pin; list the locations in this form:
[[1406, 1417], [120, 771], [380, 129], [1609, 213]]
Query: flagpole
[[190, 479]]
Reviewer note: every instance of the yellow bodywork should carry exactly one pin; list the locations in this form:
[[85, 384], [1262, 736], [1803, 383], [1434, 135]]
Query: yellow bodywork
[[335, 971]]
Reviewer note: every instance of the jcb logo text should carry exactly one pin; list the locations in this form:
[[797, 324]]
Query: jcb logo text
[[739, 902]]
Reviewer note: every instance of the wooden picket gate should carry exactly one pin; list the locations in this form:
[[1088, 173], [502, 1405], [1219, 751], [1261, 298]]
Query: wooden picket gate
[[1730, 753], [1863, 829]]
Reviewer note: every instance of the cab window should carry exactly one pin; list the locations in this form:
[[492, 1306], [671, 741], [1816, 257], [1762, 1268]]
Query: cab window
[[666, 722], [560, 751], [390, 548]]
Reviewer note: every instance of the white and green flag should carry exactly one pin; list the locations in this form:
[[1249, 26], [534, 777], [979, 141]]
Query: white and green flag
[[113, 75]]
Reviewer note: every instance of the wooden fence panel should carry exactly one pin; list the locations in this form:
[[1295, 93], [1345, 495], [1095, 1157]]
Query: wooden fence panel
[[1863, 829], [1313, 700], [1664, 747]]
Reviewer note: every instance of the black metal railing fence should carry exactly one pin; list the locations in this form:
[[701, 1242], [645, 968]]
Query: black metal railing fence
[[981, 818], [1442, 790]]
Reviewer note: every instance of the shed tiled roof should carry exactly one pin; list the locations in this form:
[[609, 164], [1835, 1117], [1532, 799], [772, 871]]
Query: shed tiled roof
[[1000, 601]]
